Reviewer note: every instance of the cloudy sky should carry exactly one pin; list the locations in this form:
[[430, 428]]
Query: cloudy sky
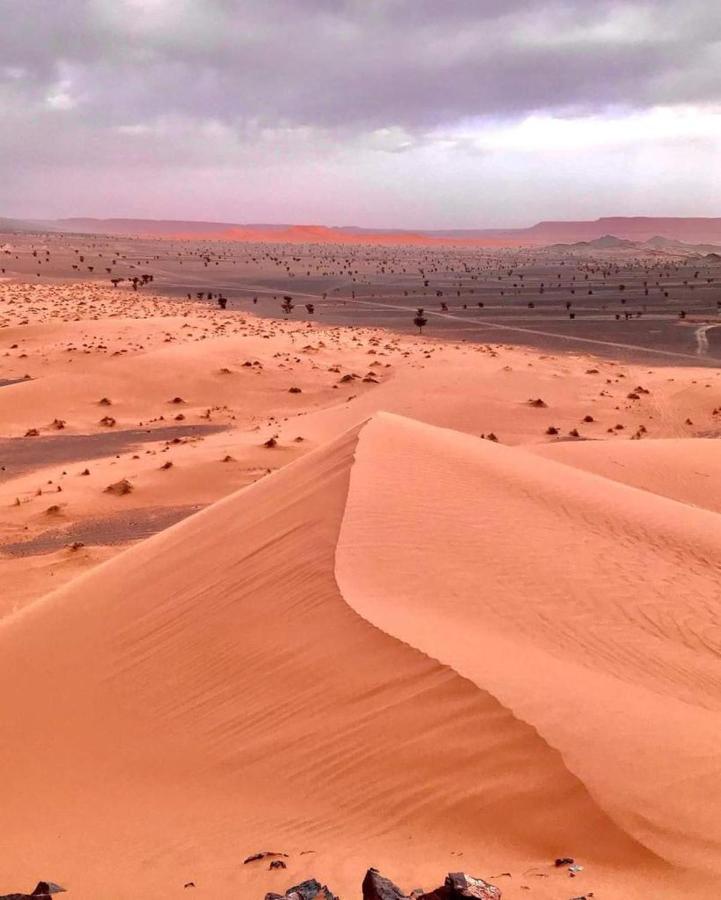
[[397, 113]]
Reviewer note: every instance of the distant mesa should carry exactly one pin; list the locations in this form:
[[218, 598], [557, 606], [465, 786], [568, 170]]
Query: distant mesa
[[651, 232]]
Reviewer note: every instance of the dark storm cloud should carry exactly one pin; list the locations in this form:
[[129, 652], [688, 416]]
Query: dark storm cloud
[[359, 64], [369, 111]]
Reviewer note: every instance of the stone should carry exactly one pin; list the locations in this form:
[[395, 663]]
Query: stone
[[309, 890], [378, 887], [43, 891], [459, 886], [466, 886], [263, 854]]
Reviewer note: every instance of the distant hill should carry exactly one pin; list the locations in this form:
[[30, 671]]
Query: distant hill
[[688, 230], [9, 226], [607, 242], [657, 233], [662, 243], [292, 234], [610, 242], [656, 245]]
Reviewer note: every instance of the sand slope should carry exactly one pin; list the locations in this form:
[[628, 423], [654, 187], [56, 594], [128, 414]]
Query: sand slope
[[375, 654], [587, 606], [685, 470]]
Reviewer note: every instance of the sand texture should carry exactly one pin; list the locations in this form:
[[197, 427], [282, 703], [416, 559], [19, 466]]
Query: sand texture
[[388, 619]]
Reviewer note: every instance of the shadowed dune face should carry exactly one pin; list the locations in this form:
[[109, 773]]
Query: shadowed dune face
[[215, 688]]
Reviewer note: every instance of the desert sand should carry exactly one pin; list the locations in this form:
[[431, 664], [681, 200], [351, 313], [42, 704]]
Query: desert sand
[[623, 300], [358, 597]]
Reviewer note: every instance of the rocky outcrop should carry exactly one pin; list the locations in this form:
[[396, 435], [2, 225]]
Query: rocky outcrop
[[457, 886], [377, 887], [264, 854], [306, 890], [43, 891]]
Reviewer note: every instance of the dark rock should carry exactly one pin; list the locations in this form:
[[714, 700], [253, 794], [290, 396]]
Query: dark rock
[[43, 891], [47, 887], [463, 886], [263, 854], [24, 896], [309, 890], [459, 886], [564, 861], [277, 864], [377, 887]]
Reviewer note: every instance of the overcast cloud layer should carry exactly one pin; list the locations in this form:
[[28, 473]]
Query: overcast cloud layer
[[436, 113]]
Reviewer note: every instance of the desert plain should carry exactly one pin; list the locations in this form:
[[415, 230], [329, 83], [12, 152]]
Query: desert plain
[[326, 582]]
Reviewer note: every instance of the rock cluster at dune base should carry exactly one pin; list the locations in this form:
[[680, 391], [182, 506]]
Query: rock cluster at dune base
[[457, 886]]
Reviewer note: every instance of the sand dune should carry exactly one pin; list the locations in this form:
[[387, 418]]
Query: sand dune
[[688, 471], [375, 654], [586, 606]]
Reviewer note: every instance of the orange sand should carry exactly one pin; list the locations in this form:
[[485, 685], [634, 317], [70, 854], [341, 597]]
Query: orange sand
[[405, 647]]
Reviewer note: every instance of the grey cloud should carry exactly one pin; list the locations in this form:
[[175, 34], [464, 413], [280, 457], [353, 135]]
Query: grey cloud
[[367, 63], [99, 96]]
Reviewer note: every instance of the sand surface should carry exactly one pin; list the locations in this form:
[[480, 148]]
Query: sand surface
[[632, 303], [436, 625]]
